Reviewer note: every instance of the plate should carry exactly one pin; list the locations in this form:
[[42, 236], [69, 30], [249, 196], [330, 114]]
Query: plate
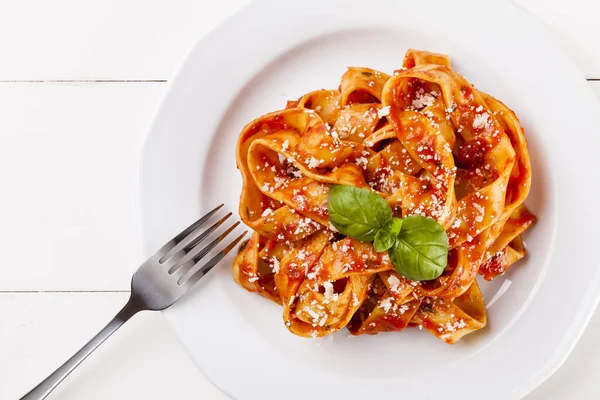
[[273, 51]]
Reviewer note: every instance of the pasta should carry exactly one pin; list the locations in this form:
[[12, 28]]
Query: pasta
[[429, 143]]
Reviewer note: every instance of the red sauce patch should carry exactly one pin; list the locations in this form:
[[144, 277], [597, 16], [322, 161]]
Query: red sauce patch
[[494, 266], [292, 104], [470, 154], [361, 96]]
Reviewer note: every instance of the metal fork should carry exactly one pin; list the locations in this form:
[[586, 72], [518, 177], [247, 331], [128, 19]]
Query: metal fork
[[157, 284]]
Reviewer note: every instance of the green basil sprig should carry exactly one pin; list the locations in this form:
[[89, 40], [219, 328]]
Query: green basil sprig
[[357, 212], [386, 237], [417, 245]]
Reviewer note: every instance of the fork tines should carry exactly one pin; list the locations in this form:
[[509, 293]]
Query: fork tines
[[185, 253]]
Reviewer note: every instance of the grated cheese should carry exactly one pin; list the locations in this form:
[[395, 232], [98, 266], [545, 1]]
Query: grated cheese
[[328, 290], [482, 121], [275, 265], [394, 283], [362, 162], [383, 111], [267, 212], [314, 163], [423, 99], [302, 255]]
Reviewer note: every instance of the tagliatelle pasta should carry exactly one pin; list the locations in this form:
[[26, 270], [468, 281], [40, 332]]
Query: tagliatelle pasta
[[428, 142]]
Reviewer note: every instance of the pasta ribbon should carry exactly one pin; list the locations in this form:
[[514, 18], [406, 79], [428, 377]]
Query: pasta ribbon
[[426, 140]]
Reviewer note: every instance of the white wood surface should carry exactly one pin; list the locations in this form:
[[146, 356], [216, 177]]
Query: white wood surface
[[142, 360], [102, 39], [68, 161], [68, 166], [146, 39]]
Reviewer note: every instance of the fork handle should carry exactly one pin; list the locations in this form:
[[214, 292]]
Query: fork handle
[[44, 388]]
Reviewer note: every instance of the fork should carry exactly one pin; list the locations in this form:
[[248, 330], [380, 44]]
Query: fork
[[157, 284]]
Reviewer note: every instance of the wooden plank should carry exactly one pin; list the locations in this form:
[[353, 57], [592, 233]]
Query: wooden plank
[[109, 39], [68, 172], [143, 360], [147, 39]]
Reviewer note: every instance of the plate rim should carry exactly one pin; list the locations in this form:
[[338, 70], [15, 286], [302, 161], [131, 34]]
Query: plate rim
[[591, 296]]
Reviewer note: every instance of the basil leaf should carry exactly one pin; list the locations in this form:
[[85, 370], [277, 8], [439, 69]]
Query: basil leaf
[[386, 237], [395, 226], [383, 241], [357, 213], [421, 249]]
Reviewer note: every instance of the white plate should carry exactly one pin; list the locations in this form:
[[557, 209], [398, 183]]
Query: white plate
[[274, 51]]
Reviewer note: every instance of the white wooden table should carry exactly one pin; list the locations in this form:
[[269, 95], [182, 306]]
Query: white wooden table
[[79, 81]]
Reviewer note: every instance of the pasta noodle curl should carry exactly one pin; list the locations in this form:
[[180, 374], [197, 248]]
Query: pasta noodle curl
[[428, 142]]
